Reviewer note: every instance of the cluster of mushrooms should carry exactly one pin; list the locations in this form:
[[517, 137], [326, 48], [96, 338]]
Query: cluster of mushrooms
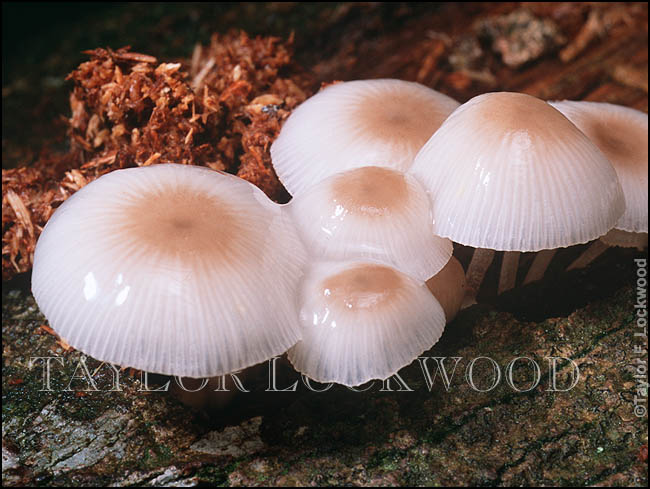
[[181, 270]]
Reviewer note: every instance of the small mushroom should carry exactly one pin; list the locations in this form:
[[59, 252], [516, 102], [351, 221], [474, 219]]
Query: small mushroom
[[508, 172], [171, 269], [358, 123], [363, 321], [448, 286], [621, 133], [371, 212]]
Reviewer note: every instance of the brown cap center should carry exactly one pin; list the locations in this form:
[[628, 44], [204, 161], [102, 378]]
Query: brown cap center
[[182, 222], [370, 191], [398, 117], [364, 286], [616, 142], [518, 112]]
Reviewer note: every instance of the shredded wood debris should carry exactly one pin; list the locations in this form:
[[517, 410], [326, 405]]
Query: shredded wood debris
[[62, 343], [28, 200], [601, 20], [631, 76], [520, 37], [221, 109]]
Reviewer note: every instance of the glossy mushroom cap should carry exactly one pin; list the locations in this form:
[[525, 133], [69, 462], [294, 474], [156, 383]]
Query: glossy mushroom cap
[[621, 134], [172, 269], [371, 212], [506, 171], [363, 321], [358, 123]]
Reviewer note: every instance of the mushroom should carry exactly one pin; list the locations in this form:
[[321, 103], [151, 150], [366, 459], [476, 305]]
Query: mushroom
[[358, 123], [171, 269], [508, 172], [363, 321], [371, 212], [621, 133], [448, 286]]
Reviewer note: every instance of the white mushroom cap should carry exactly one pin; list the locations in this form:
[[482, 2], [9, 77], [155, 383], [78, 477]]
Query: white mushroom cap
[[358, 123], [363, 321], [621, 133], [172, 269], [506, 171], [371, 212]]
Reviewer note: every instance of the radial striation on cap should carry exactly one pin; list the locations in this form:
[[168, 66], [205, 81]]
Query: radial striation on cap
[[363, 321], [508, 172], [358, 123], [172, 269], [621, 133], [371, 212]]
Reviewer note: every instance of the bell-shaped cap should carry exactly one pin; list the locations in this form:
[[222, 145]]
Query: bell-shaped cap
[[621, 133], [506, 171], [363, 321], [172, 269], [371, 212], [358, 123]]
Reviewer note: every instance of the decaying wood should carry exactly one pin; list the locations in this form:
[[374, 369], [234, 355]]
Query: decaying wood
[[129, 110]]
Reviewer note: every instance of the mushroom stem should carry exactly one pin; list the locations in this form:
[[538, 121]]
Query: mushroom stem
[[211, 392], [595, 249], [481, 261], [538, 268], [508, 275]]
